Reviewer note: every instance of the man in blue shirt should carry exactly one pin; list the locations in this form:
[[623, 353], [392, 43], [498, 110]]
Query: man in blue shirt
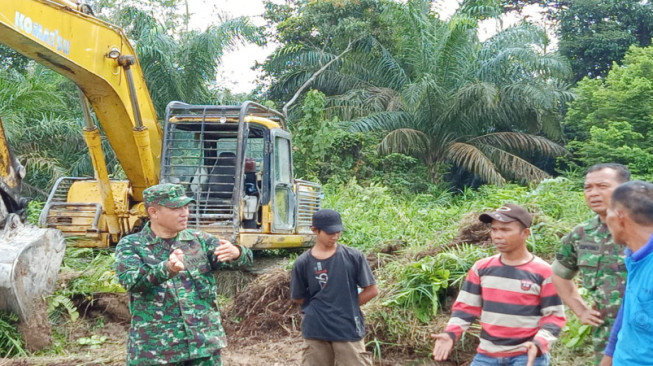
[[630, 220]]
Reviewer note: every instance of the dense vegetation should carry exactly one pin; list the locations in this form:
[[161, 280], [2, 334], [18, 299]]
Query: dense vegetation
[[423, 245], [405, 116]]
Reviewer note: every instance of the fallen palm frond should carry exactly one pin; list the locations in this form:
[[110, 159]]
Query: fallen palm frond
[[264, 308]]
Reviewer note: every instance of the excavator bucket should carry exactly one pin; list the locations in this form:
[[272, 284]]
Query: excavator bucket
[[30, 258]]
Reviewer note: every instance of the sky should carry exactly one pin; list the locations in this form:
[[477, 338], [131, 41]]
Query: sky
[[235, 71]]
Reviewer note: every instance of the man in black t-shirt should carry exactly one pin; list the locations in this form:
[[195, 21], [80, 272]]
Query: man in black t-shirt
[[325, 281]]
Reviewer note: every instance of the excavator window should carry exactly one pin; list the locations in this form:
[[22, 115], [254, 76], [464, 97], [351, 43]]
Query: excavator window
[[284, 210], [205, 162]]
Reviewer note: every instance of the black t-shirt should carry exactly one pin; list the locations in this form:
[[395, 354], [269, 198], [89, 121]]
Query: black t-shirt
[[329, 288]]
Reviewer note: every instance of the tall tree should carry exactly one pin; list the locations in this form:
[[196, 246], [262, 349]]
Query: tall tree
[[595, 33], [41, 115], [442, 95], [41, 109], [327, 26], [612, 119], [183, 66]]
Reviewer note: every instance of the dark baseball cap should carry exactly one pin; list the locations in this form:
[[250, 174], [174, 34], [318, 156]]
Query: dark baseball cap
[[167, 195], [508, 213], [327, 220]]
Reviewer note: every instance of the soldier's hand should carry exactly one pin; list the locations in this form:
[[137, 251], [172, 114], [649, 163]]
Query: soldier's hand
[[606, 361], [442, 347], [226, 251], [591, 317], [175, 261], [531, 352]]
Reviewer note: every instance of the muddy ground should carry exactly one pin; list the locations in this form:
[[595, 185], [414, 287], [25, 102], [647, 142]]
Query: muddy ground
[[262, 326]]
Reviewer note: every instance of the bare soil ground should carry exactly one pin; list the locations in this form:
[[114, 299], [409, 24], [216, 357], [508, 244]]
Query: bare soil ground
[[262, 325], [263, 333]]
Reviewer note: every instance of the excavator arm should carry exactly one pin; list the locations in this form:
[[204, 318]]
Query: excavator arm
[[98, 57]]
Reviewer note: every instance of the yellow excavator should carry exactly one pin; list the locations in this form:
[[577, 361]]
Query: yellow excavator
[[236, 161]]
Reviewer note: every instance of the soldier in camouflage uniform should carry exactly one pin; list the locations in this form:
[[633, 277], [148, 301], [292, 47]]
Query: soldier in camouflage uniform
[[590, 250], [167, 271]]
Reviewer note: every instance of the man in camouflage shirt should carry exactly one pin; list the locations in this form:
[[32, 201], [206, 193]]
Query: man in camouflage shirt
[[167, 271], [590, 250]]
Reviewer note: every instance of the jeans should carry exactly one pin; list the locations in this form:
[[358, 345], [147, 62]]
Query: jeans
[[483, 360]]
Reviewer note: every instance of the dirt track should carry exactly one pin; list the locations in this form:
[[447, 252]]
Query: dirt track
[[262, 326]]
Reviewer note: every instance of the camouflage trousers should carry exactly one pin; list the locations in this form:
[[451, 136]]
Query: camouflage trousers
[[600, 337], [214, 360]]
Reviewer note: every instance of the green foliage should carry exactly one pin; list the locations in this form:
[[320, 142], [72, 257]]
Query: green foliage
[[95, 341], [313, 136], [617, 143], [182, 64], [34, 211], [42, 118], [419, 286], [59, 303], [437, 93], [327, 153], [375, 214], [595, 33], [575, 334], [11, 342], [96, 274], [611, 119], [10, 59], [459, 259], [323, 25], [423, 284], [90, 271]]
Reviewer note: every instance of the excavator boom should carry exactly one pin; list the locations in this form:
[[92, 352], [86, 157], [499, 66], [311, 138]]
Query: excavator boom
[[236, 161], [87, 51]]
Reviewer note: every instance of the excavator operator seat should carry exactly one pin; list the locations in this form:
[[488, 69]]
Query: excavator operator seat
[[222, 176]]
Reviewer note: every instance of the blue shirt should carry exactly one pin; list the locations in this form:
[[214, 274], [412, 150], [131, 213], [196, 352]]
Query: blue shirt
[[631, 339]]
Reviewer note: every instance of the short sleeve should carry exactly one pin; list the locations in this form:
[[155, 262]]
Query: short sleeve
[[365, 276], [566, 262], [298, 285]]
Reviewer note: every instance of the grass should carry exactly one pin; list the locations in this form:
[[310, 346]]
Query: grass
[[418, 279], [11, 342], [414, 291]]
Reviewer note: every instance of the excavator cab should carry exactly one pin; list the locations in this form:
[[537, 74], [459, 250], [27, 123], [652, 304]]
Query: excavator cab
[[236, 161]]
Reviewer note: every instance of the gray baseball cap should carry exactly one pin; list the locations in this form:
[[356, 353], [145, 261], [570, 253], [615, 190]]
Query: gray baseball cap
[[508, 213]]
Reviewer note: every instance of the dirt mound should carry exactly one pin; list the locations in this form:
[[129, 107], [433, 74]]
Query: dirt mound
[[113, 306], [36, 331], [471, 231], [264, 309], [379, 258]]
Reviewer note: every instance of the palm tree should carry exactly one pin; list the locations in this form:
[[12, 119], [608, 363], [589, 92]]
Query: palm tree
[[41, 115], [40, 109], [442, 95], [183, 66]]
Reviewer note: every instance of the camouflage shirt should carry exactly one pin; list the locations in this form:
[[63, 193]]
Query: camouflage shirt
[[589, 249], [174, 317]]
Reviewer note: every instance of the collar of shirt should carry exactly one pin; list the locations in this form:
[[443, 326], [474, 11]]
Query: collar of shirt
[[600, 226], [642, 252], [151, 239]]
